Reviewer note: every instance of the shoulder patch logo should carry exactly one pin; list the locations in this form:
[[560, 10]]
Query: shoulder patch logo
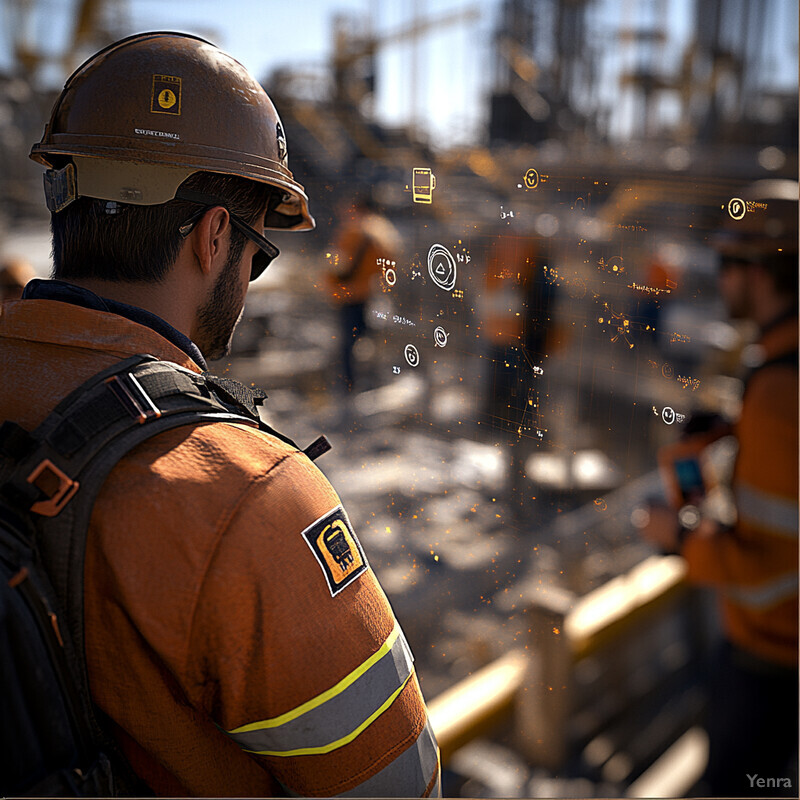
[[166, 95], [337, 549]]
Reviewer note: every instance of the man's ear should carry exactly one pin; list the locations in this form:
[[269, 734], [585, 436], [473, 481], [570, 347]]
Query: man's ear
[[208, 240]]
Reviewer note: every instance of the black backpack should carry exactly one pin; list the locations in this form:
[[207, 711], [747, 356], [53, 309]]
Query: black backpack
[[54, 740]]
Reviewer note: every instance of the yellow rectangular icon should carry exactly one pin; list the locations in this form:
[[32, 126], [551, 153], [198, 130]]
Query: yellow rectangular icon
[[423, 184]]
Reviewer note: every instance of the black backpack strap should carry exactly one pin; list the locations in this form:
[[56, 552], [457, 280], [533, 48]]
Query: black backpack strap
[[55, 473], [243, 399], [230, 391], [58, 470]]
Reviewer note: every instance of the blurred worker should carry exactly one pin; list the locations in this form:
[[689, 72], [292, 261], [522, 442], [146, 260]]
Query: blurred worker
[[227, 654], [515, 310], [14, 274], [366, 246], [753, 712], [660, 285]]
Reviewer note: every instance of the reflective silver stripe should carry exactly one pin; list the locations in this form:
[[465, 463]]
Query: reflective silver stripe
[[338, 715], [408, 775], [766, 510], [766, 595]]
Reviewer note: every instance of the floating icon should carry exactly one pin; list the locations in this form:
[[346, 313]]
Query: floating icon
[[440, 336], [412, 355], [614, 264], [395, 370], [668, 415], [680, 418], [667, 370], [601, 504], [442, 267], [737, 208], [390, 276], [422, 185], [531, 178]]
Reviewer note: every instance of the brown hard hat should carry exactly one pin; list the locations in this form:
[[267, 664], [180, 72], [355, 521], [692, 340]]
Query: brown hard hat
[[136, 119]]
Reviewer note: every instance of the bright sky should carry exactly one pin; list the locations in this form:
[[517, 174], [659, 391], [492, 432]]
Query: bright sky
[[450, 65]]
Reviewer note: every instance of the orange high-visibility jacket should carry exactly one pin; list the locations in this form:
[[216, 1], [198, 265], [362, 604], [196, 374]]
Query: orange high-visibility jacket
[[224, 638], [755, 565], [362, 241]]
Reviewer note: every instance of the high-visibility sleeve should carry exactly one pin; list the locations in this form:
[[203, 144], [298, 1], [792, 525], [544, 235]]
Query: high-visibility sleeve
[[754, 566], [314, 681], [336, 716], [756, 576]]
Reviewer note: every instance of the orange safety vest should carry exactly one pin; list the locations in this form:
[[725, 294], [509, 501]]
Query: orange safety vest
[[362, 242], [754, 566], [509, 271], [225, 638]]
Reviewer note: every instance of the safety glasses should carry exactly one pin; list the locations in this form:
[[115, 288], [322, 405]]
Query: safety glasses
[[267, 252]]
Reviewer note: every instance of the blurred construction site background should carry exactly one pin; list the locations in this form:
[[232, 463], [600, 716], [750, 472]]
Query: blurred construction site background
[[543, 177]]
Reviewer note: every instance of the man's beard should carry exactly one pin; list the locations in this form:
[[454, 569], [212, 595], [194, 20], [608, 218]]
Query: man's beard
[[218, 318]]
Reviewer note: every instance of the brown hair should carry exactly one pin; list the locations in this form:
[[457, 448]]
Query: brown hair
[[128, 243]]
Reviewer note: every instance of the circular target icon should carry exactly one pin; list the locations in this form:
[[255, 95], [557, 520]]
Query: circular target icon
[[412, 355], [737, 208], [440, 336], [442, 267], [668, 415], [531, 178], [390, 276]]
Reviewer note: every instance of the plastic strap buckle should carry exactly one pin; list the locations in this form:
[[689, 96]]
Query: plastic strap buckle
[[56, 484], [133, 397], [60, 187]]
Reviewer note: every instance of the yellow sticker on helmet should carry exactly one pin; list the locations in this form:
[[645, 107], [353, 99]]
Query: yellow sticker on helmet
[[166, 95]]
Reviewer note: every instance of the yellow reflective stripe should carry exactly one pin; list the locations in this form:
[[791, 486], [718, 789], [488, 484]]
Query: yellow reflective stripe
[[328, 694], [331, 746]]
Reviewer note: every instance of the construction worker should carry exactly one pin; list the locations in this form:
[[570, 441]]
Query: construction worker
[[515, 309], [236, 640], [367, 245], [14, 275], [753, 713]]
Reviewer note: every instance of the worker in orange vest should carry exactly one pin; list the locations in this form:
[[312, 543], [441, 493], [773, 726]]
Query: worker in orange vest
[[366, 245], [515, 320], [753, 712]]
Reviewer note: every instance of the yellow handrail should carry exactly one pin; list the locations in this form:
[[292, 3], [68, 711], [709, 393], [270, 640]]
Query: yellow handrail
[[478, 703]]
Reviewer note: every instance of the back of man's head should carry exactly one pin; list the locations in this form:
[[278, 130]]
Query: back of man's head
[[141, 118], [120, 242]]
